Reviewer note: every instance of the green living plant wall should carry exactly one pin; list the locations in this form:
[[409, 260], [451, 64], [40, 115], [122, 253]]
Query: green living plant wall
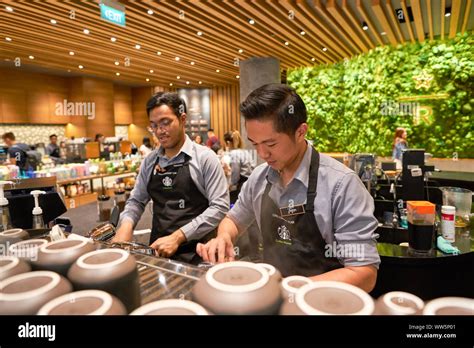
[[356, 105]]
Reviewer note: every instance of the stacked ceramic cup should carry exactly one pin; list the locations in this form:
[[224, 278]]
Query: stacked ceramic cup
[[329, 298], [106, 281], [239, 288]]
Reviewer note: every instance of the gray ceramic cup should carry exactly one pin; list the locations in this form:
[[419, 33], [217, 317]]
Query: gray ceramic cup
[[450, 306], [85, 302], [111, 270], [238, 288], [171, 307], [27, 250], [329, 298], [398, 303], [26, 293], [11, 265], [12, 236], [58, 256]]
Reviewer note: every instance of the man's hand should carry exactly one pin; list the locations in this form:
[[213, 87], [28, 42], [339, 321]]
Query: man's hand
[[167, 246], [221, 245], [124, 233]]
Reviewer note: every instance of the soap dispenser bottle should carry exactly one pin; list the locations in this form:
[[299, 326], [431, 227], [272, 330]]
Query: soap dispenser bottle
[[38, 222], [5, 223]]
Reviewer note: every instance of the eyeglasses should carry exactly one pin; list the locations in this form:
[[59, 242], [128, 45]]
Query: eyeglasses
[[164, 124]]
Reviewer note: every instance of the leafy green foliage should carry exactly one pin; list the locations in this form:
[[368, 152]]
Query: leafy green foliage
[[345, 101]]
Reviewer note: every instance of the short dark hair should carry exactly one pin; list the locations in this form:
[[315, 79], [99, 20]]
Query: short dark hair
[[210, 130], [173, 100], [52, 135], [277, 102], [97, 136], [8, 135]]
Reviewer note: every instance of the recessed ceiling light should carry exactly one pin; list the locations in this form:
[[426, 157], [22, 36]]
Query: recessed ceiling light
[[150, 12], [200, 82], [313, 59], [383, 33], [187, 82], [302, 32], [113, 39], [117, 62], [9, 9], [286, 43], [171, 83], [217, 70], [241, 51], [447, 14], [137, 46], [81, 67], [178, 77], [147, 79], [199, 33], [68, 70], [237, 76], [158, 53], [251, 21], [8, 39], [151, 71], [117, 73], [325, 49], [53, 21], [365, 26], [192, 63], [176, 59], [31, 57], [71, 53], [86, 31]]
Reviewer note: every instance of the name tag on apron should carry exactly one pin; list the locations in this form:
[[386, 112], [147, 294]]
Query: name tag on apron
[[293, 210]]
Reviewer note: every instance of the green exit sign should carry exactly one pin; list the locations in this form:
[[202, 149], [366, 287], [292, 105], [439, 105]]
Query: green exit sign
[[112, 15]]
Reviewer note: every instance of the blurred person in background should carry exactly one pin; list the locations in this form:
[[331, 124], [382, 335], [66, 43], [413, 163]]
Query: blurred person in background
[[399, 144], [241, 165]]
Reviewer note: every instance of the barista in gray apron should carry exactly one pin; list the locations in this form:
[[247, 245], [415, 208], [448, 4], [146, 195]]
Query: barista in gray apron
[[176, 201], [292, 241]]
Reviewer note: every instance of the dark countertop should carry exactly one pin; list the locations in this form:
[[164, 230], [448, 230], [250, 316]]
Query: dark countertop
[[464, 242], [85, 217], [462, 176]]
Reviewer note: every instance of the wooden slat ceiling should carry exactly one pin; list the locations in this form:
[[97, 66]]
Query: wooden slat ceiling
[[332, 31]]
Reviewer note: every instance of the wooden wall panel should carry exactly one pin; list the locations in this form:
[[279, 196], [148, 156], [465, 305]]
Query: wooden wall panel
[[101, 93], [38, 106], [138, 129], [54, 98], [225, 115], [123, 105], [14, 105]]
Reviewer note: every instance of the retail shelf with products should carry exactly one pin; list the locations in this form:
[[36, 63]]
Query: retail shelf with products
[[90, 193]]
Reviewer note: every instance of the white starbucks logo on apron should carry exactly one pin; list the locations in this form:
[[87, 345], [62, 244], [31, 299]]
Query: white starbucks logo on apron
[[284, 232], [167, 181]]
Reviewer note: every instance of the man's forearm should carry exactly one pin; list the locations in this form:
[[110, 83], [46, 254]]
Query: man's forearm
[[228, 226], [363, 277]]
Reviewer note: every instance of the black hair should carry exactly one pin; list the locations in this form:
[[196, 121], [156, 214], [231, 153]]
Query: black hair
[[276, 102], [52, 135], [147, 142], [210, 130], [97, 136], [173, 100]]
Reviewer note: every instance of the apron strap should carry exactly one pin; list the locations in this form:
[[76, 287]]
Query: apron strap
[[313, 180]]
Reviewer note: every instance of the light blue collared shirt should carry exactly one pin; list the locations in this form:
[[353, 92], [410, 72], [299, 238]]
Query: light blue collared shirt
[[206, 172], [343, 208]]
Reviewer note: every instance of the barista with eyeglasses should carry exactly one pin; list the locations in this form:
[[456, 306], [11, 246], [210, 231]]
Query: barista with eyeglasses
[[185, 181]]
